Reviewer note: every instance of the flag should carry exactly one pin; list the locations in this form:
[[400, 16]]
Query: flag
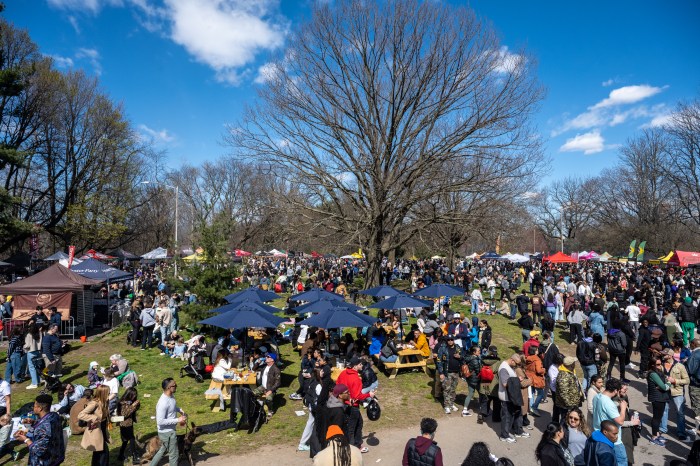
[[632, 244], [71, 255], [640, 251]]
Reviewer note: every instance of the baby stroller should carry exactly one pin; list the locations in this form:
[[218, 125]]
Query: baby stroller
[[51, 382], [195, 364]]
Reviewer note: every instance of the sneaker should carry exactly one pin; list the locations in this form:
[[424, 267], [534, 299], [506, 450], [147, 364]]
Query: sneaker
[[364, 450], [529, 427], [162, 354], [631, 366], [508, 439], [685, 438], [523, 435], [455, 408], [535, 413], [658, 441], [480, 420], [625, 381], [32, 387], [15, 455], [303, 448], [466, 412], [448, 411], [295, 396]]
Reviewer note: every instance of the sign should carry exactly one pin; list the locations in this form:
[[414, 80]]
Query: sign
[[25, 304]]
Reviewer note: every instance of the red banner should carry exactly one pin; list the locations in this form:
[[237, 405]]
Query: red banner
[[71, 255], [25, 304]]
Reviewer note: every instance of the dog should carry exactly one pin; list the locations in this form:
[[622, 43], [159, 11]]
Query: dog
[[184, 445]]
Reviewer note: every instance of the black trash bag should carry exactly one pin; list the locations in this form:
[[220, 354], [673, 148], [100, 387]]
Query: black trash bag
[[374, 411]]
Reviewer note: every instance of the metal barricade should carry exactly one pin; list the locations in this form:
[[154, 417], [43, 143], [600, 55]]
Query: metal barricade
[[118, 313], [67, 329]]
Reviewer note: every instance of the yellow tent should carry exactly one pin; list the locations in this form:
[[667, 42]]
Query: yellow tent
[[358, 254], [196, 257], [667, 257]]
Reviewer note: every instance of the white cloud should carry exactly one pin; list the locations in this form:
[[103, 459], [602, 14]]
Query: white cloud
[[225, 34], [664, 119], [628, 95], [588, 143], [74, 22], [607, 83], [92, 6], [92, 56], [61, 62], [266, 73], [507, 62], [158, 136]]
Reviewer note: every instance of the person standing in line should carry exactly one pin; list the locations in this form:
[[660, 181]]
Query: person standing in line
[[351, 379], [511, 415], [423, 450], [694, 375], [168, 416], [678, 378], [32, 346], [448, 364], [604, 409], [148, 322], [688, 315], [658, 394]]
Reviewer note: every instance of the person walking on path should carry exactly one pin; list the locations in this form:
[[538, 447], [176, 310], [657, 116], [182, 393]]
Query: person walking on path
[[423, 450], [450, 358], [168, 416]]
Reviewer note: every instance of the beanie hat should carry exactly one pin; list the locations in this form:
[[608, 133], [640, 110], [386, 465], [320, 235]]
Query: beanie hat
[[272, 356], [340, 388], [333, 431]]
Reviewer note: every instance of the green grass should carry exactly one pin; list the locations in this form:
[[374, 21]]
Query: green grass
[[404, 400]]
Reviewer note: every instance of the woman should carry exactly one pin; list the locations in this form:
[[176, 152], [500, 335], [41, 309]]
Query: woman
[[576, 317], [135, 321], [596, 322], [96, 437], [128, 406], [576, 435], [525, 382], [535, 372], [32, 346], [316, 394], [479, 455], [549, 451], [550, 306], [526, 325], [658, 394], [389, 352], [595, 387]]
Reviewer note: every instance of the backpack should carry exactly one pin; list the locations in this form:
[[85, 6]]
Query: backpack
[[466, 371], [300, 286], [588, 355], [616, 343], [486, 374]]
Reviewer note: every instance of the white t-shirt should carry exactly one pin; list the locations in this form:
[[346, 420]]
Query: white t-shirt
[[634, 312], [113, 385], [504, 373], [4, 391], [264, 376]]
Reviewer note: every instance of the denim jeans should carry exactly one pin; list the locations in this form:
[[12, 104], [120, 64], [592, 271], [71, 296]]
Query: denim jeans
[[30, 363], [620, 454], [391, 358], [169, 440], [475, 306], [513, 311], [14, 366], [679, 403], [588, 372], [538, 397], [470, 395], [371, 388]]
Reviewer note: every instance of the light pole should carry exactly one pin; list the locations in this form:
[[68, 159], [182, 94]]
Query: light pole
[[561, 227], [177, 197]]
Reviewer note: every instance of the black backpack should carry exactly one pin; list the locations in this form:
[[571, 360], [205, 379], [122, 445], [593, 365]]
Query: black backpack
[[616, 343]]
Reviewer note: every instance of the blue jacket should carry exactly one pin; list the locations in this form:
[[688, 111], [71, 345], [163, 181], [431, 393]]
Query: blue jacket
[[599, 451], [51, 346], [597, 323]]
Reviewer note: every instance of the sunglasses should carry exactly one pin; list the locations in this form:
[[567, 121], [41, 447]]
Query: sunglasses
[[574, 418], [172, 386]]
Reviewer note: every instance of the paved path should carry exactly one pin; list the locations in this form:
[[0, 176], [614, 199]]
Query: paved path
[[456, 434]]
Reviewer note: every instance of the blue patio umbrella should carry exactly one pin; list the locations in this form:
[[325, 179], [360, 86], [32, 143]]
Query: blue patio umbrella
[[342, 317], [246, 305], [325, 305], [382, 291], [316, 294], [438, 290], [252, 294], [401, 302], [244, 318]]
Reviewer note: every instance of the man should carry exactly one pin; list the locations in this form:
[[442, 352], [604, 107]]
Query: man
[[568, 391], [163, 319], [604, 409], [448, 364], [473, 362], [617, 347], [522, 301], [534, 340], [476, 299], [688, 315], [460, 331], [269, 380], [46, 447], [54, 316], [71, 394], [167, 420], [600, 446], [51, 351], [678, 378], [75, 426], [351, 379], [328, 414], [633, 312], [148, 322], [38, 318], [585, 353], [511, 413], [694, 374], [423, 450]]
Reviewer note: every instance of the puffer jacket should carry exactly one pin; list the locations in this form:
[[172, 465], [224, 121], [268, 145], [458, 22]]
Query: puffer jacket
[[568, 389], [535, 370], [687, 313], [474, 363]]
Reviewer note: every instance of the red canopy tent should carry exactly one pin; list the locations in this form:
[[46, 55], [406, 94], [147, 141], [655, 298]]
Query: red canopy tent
[[559, 258], [92, 254], [315, 255], [241, 253], [684, 258]]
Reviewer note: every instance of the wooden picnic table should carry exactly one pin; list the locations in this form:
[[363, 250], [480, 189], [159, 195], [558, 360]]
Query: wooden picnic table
[[404, 361], [249, 379]]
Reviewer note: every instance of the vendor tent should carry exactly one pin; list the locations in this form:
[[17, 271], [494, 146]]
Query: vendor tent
[[241, 253], [96, 255], [684, 258], [124, 255], [157, 253], [516, 258], [57, 256], [490, 255], [667, 257], [20, 260], [604, 257], [96, 270], [559, 258]]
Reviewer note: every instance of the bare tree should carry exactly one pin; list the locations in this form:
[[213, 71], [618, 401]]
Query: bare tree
[[372, 105]]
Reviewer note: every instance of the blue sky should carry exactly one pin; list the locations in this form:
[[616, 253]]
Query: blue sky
[[183, 69]]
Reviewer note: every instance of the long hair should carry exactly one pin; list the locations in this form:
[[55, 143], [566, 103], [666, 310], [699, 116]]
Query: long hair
[[478, 455], [547, 436], [101, 395], [582, 425], [341, 450]]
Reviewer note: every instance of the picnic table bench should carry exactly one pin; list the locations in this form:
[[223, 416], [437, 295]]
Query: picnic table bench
[[225, 386], [404, 362]]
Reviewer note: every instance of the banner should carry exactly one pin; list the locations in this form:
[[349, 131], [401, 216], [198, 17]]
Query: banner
[[632, 244], [71, 255], [640, 251], [25, 304]]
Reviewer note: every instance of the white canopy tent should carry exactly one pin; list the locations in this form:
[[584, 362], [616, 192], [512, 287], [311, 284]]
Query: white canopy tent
[[57, 256], [157, 253]]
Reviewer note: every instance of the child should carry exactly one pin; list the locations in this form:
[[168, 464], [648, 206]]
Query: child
[[5, 439], [93, 376], [179, 349], [128, 406]]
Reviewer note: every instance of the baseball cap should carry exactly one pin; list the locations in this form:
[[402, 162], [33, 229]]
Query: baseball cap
[[569, 361], [450, 337], [340, 388], [354, 361], [534, 333], [457, 315]]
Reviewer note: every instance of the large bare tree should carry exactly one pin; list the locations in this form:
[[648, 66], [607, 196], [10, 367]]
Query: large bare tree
[[374, 102]]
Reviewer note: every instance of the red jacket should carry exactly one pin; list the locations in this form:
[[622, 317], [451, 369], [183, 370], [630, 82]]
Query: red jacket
[[350, 378]]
